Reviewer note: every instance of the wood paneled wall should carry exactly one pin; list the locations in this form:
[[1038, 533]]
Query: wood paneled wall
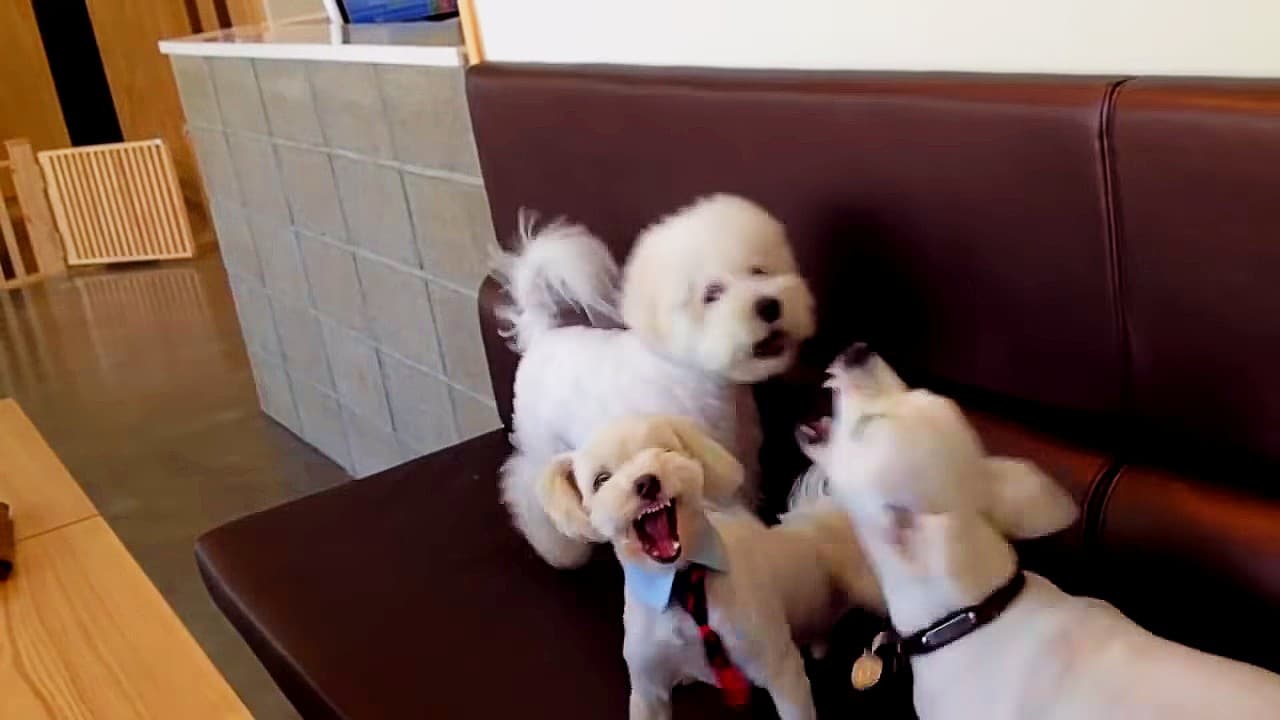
[[215, 14], [141, 80], [28, 102], [280, 10], [142, 84]]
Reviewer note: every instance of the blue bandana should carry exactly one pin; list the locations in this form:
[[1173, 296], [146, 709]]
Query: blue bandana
[[651, 583]]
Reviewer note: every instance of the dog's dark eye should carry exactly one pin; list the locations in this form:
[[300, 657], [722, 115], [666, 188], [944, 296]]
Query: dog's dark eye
[[601, 479], [757, 270], [712, 293]]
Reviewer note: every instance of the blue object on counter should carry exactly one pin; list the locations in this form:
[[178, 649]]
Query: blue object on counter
[[386, 11]]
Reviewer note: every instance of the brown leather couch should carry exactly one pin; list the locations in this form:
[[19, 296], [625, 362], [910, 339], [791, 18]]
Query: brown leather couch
[[1091, 264]]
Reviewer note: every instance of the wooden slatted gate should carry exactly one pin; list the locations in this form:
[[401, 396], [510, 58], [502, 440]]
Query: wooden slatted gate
[[117, 203]]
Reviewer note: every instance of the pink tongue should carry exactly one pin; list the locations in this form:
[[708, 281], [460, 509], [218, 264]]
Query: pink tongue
[[660, 542]]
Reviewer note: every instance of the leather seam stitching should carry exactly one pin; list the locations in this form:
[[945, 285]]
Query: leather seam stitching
[[1096, 500], [1111, 202]]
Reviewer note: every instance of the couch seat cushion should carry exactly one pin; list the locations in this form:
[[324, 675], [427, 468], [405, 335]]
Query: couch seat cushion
[[408, 594]]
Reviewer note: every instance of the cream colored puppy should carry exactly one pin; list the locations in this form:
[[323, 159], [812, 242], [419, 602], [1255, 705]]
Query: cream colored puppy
[[644, 484], [934, 511]]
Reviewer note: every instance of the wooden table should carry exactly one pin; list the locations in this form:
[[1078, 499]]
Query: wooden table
[[83, 633]]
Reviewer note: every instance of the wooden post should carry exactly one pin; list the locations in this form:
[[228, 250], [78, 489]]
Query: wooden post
[[35, 208], [11, 244], [470, 31]]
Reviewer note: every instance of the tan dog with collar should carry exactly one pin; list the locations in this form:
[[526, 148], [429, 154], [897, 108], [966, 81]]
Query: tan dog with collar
[[934, 512]]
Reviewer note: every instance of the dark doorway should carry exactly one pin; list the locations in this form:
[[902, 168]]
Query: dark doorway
[[76, 66]]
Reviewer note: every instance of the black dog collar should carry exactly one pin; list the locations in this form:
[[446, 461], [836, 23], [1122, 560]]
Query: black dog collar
[[890, 654], [962, 622]]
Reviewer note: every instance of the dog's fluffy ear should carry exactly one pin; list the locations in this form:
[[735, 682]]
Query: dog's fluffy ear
[[562, 500], [1025, 502], [722, 473], [646, 304]]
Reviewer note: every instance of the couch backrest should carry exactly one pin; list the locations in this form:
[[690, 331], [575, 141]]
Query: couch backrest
[[1105, 247], [1196, 176]]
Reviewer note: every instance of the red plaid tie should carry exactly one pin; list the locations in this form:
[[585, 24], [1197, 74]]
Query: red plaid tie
[[690, 591]]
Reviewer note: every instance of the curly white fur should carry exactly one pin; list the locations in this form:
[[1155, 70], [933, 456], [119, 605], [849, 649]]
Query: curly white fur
[[783, 586], [558, 265], [691, 297]]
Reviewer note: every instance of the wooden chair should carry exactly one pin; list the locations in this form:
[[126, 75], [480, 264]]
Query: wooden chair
[[29, 246]]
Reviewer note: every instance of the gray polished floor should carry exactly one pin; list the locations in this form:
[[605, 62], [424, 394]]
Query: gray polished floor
[[138, 378]]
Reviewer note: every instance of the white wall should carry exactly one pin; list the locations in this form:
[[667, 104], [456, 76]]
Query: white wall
[[1198, 37]]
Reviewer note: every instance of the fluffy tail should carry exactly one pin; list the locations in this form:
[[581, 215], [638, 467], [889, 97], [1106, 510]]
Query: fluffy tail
[[560, 265], [810, 504]]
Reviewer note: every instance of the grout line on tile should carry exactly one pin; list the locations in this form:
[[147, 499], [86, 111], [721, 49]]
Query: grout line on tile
[[361, 252], [340, 328], [323, 318], [489, 402], [217, 102], [462, 178], [390, 263], [437, 338], [315, 107]]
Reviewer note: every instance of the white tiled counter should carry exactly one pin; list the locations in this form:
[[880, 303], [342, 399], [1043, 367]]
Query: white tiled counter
[[342, 174]]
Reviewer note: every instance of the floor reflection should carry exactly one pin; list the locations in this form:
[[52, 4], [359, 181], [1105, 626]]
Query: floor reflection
[[138, 379]]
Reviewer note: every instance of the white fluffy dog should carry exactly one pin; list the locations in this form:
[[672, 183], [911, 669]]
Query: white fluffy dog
[[711, 301], [643, 484], [934, 513]]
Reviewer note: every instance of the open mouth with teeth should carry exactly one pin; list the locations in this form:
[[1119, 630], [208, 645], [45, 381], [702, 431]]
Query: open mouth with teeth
[[773, 345], [656, 529]]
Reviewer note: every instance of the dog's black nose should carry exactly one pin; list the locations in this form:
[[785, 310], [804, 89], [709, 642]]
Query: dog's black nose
[[648, 487], [769, 309], [856, 356]]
